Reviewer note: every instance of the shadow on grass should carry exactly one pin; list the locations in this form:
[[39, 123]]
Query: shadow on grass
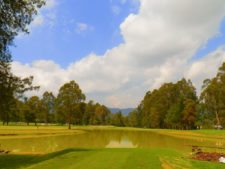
[[12, 161]]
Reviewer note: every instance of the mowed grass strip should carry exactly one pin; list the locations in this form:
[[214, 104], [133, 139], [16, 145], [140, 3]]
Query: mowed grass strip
[[154, 158], [7, 132]]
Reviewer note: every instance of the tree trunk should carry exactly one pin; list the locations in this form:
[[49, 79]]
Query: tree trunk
[[7, 119], [217, 118], [69, 120]]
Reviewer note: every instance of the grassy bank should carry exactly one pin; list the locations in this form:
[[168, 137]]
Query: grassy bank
[[33, 131]]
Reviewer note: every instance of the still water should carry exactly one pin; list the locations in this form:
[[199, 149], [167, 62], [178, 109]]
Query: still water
[[102, 139]]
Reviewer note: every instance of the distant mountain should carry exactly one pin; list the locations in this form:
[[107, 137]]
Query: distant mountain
[[125, 111]]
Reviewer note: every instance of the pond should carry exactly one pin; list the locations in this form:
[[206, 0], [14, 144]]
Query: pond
[[102, 139]]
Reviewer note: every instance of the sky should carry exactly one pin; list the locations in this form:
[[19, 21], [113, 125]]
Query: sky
[[117, 50]]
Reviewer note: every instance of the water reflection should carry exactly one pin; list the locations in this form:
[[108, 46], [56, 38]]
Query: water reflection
[[102, 139]]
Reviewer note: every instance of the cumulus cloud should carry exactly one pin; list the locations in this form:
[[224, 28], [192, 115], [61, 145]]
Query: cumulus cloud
[[206, 67], [159, 43]]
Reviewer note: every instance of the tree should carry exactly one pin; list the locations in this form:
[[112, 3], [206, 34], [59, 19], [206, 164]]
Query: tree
[[89, 113], [80, 112], [102, 115], [117, 119], [189, 114], [69, 96], [213, 95], [173, 117], [15, 16], [133, 118], [47, 105], [12, 88], [33, 112], [163, 107]]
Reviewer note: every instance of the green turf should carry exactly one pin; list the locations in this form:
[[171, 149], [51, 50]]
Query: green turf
[[106, 159]]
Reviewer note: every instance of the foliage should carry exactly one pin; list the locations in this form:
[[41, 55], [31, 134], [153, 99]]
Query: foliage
[[213, 95], [47, 107], [16, 15], [165, 107], [118, 119], [68, 99]]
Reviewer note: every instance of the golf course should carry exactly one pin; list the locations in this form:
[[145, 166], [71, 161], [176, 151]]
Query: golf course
[[112, 84], [105, 147]]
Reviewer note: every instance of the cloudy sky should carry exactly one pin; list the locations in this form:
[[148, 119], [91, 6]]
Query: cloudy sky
[[116, 50]]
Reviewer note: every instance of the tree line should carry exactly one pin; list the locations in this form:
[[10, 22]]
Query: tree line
[[173, 105], [177, 106], [68, 107]]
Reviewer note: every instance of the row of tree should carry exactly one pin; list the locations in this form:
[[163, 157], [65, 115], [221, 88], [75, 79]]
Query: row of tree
[[173, 105], [67, 108], [176, 105]]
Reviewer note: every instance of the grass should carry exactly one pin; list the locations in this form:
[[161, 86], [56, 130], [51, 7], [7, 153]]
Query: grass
[[106, 159], [7, 132], [148, 158]]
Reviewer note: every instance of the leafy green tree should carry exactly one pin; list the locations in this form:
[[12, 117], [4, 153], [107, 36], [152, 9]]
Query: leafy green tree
[[15, 16], [132, 119], [89, 113], [173, 117], [33, 112], [189, 114], [118, 119], [102, 115], [213, 95], [163, 107], [69, 96], [12, 88], [47, 105], [80, 112]]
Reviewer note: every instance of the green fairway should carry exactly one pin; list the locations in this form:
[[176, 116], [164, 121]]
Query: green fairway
[[106, 159]]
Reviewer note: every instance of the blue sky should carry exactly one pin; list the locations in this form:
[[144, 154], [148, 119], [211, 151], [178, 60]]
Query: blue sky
[[73, 29]]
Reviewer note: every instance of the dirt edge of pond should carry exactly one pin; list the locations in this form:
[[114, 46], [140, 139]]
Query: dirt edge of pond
[[198, 154]]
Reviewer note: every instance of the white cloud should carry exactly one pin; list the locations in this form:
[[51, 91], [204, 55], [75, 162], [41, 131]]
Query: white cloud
[[206, 67], [46, 73], [159, 42]]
